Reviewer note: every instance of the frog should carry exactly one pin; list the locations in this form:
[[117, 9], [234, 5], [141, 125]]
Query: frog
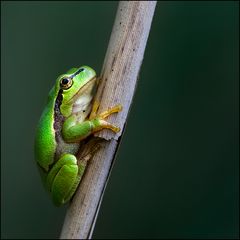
[[68, 119]]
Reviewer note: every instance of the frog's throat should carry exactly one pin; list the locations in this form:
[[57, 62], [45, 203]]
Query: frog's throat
[[82, 101], [81, 90]]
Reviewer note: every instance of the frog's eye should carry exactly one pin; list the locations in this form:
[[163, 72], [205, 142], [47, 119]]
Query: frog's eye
[[66, 83]]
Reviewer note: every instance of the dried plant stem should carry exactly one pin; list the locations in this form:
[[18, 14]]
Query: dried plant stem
[[118, 81]]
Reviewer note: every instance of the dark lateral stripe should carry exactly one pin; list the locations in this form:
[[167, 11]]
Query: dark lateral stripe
[[58, 122], [77, 72]]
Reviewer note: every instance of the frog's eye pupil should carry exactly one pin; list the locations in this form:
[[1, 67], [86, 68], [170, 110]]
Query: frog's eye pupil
[[65, 81]]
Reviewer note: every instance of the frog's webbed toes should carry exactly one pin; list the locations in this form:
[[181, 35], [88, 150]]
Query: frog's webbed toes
[[105, 124], [110, 111], [101, 117]]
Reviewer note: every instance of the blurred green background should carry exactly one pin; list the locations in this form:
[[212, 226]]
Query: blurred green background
[[176, 173]]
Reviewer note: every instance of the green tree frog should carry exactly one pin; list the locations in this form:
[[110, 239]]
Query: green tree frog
[[68, 118]]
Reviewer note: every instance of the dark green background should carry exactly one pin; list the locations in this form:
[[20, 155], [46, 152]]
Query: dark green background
[[176, 173]]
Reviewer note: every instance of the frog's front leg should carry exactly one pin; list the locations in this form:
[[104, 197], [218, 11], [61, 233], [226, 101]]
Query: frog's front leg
[[74, 131], [64, 178]]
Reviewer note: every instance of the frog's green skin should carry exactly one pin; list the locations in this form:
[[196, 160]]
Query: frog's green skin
[[65, 121]]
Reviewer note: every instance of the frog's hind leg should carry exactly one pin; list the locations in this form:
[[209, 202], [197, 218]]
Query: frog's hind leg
[[64, 178]]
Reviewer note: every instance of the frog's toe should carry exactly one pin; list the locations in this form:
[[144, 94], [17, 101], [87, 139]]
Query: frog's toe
[[110, 111], [105, 124], [94, 109]]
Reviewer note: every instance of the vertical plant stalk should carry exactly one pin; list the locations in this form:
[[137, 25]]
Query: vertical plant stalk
[[117, 85]]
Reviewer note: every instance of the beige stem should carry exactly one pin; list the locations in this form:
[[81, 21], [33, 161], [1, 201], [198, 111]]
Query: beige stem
[[117, 85]]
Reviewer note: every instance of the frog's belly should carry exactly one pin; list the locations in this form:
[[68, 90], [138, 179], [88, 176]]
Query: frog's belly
[[63, 147]]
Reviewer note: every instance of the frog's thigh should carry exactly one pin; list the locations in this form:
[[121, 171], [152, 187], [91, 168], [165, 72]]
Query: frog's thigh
[[65, 180], [65, 159]]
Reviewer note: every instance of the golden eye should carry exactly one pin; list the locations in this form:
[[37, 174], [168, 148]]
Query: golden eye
[[66, 83]]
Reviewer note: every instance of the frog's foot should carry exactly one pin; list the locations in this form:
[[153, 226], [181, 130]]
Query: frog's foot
[[64, 178], [110, 111], [102, 123], [105, 124], [87, 151]]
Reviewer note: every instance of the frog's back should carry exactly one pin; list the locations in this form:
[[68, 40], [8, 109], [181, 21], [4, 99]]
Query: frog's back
[[45, 143]]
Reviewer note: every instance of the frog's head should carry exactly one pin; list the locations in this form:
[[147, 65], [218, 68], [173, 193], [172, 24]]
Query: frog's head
[[76, 89]]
